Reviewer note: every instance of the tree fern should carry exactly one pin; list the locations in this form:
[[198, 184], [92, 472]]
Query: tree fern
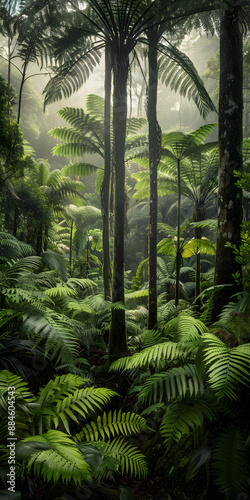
[[111, 425], [183, 417], [179, 381], [226, 367], [56, 457]]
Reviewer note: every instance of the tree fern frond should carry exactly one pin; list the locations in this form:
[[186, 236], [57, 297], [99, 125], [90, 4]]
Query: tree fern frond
[[79, 169], [179, 72], [110, 425], [72, 74], [178, 381], [59, 460], [184, 416]]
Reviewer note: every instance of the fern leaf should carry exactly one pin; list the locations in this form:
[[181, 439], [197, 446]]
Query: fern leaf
[[59, 460], [130, 460], [182, 417], [166, 351], [227, 367], [178, 381], [79, 169], [230, 463], [111, 425]]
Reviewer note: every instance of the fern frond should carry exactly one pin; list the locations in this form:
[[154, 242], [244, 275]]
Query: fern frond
[[59, 458], [61, 342], [166, 351], [227, 367], [79, 169], [63, 398], [130, 460], [183, 417], [178, 381], [110, 425], [230, 463]]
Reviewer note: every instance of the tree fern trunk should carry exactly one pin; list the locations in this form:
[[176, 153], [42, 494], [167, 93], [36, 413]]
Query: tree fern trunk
[[230, 151], [105, 190], [178, 249], [153, 164], [118, 336]]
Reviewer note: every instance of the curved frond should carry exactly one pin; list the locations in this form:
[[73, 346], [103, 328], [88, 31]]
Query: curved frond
[[54, 456], [63, 398], [130, 461], [72, 74], [79, 169], [166, 351], [112, 424], [178, 71], [227, 367], [183, 417], [230, 463], [179, 381]]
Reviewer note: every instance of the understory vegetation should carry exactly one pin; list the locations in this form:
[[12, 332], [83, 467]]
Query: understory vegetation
[[124, 257]]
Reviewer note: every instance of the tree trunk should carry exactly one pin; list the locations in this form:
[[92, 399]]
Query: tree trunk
[[198, 215], [105, 190], [118, 336], [230, 151], [178, 249], [153, 164]]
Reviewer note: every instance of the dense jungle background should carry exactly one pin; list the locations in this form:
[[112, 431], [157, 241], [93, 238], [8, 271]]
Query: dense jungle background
[[124, 249]]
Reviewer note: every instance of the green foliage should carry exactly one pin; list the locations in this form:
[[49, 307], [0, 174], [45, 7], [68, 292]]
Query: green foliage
[[130, 461], [162, 387], [112, 424], [225, 366], [53, 456], [231, 462], [183, 417]]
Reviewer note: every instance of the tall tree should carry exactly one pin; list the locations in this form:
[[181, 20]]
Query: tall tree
[[230, 149]]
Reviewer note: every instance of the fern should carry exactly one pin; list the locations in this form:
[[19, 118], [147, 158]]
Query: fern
[[64, 396], [230, 462], [183, 417], [110, 425], [226, 367], [166, 351], [179, 381], [130, 460], [54, 456]]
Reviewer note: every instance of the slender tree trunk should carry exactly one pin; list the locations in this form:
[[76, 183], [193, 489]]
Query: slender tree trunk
[[153, 164], [39, 241], [230, 150], [71, 247], [20, 96], [198, 215], [105, 190], [46, 237], [118, 336], [178, 249]]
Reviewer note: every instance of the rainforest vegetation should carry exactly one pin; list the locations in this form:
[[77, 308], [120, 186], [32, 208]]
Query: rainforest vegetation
[[124, 249]]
